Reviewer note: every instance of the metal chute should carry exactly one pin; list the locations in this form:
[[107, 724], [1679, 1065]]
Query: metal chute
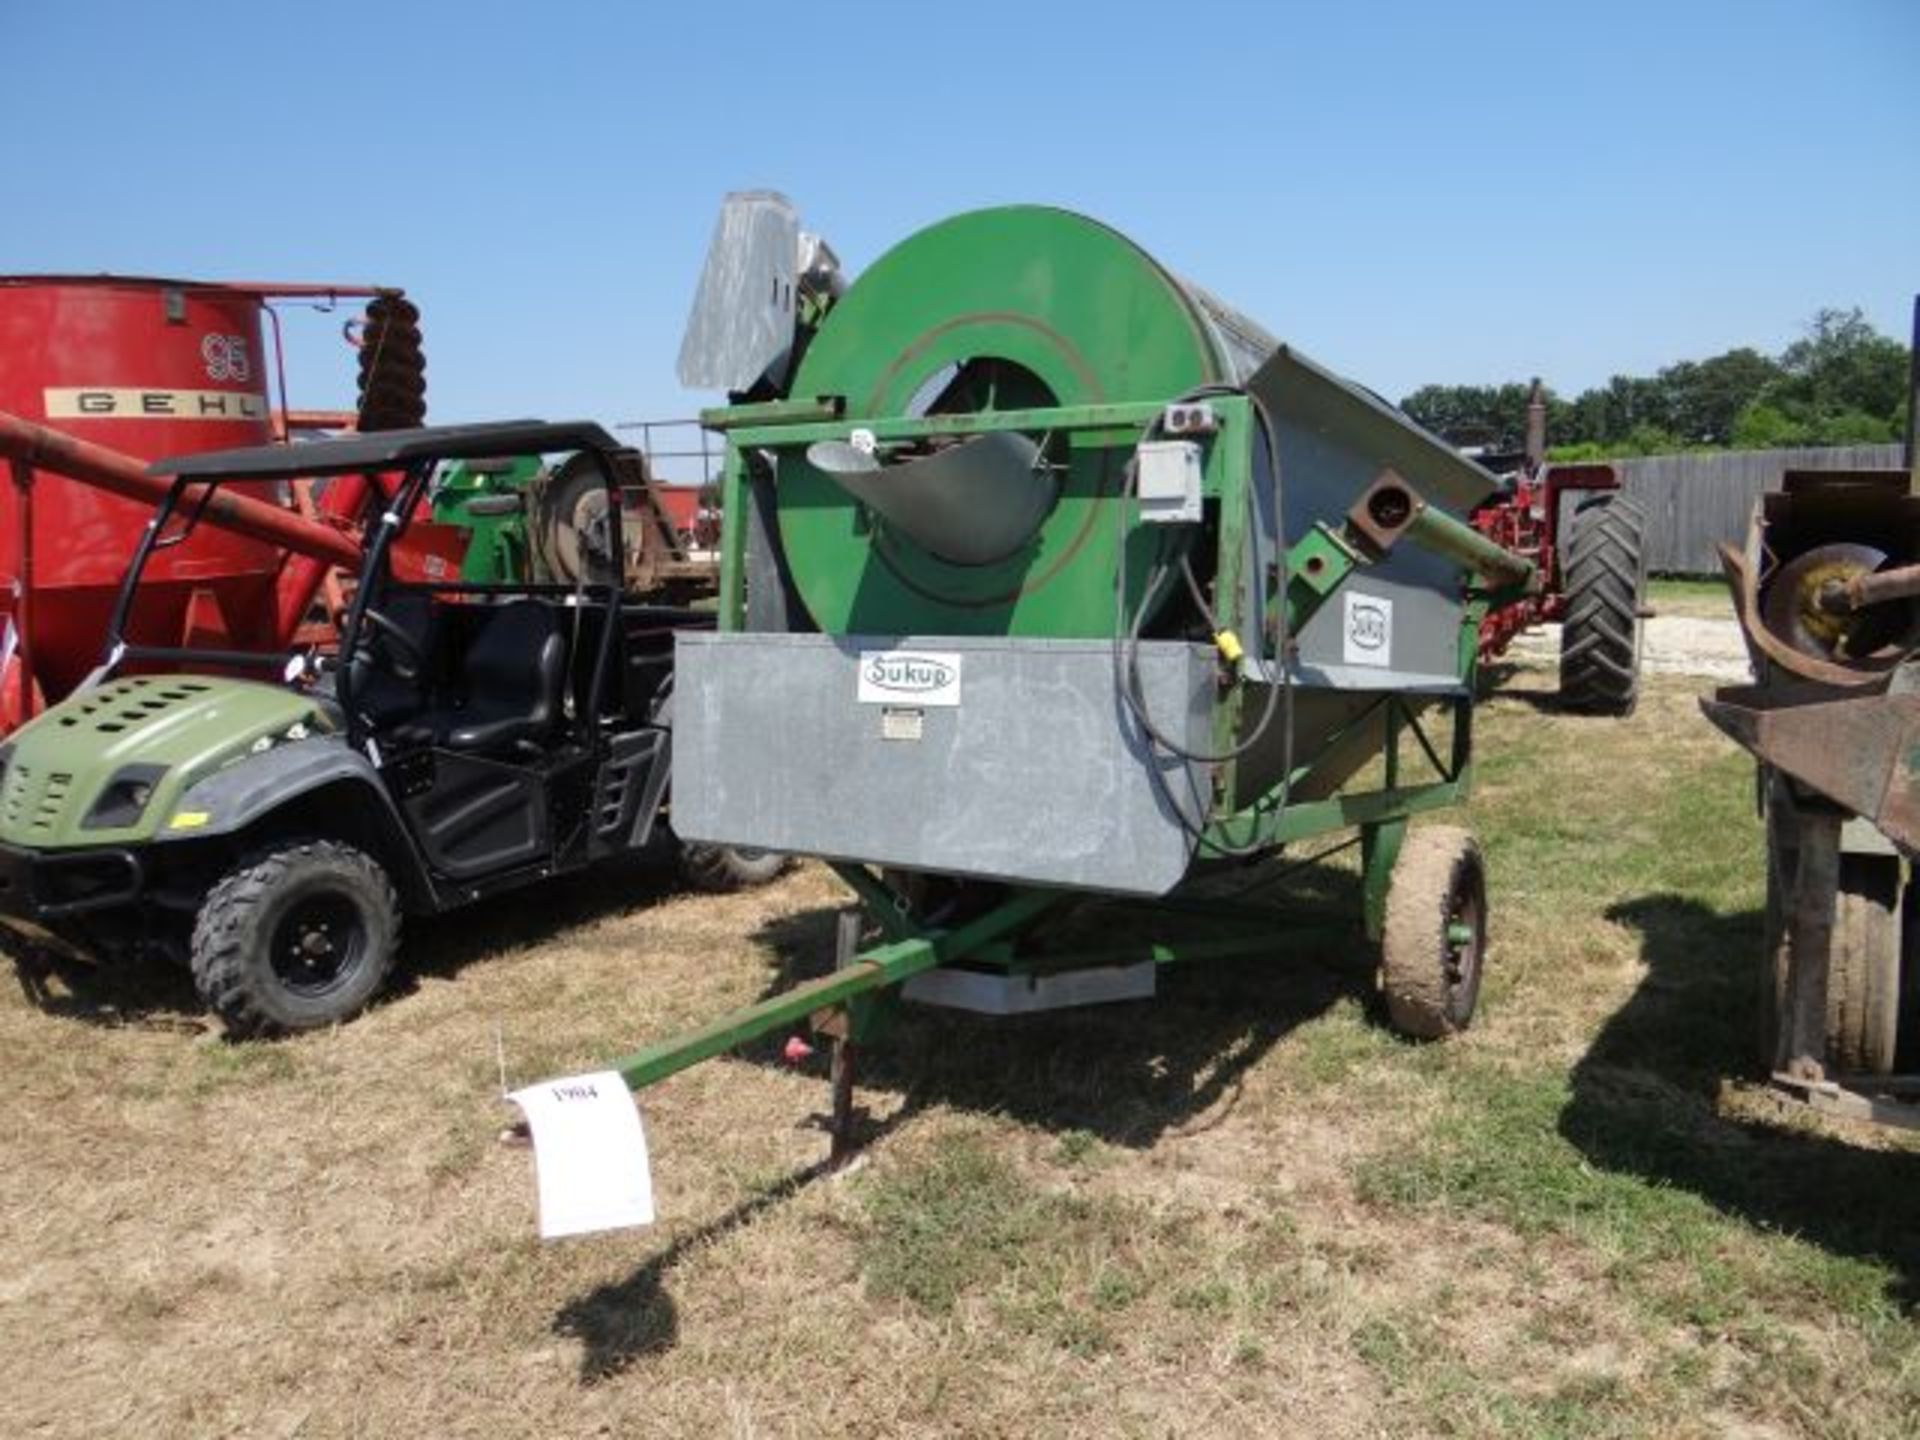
[[764, 280], [974, 503]]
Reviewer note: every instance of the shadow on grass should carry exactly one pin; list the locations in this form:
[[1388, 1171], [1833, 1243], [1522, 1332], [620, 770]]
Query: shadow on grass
[[152, 991], [156, 990], [1644, 1101], [627, 1320], [1127, 1072], [1497, 679], [443, 945]]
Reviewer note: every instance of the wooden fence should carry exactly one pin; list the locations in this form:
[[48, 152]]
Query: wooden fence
[[1695, 501]]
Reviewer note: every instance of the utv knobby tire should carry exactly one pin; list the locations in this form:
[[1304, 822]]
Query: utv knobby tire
[[1605, 581], [721, 868], [253, 958], [1431, 981]]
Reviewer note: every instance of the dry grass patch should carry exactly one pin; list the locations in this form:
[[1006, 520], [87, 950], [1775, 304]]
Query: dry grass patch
[[1694, 598]]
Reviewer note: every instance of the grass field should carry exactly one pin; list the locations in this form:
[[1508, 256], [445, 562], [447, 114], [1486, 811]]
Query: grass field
[[1694, 598], [1245, 1209]]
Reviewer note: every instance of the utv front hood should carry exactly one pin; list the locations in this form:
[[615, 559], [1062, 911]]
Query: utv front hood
[[73, 775]]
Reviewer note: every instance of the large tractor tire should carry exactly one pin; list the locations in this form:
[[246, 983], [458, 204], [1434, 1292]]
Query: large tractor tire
[[1436, 933], [721, 868], [1605, 579], [295, 937]]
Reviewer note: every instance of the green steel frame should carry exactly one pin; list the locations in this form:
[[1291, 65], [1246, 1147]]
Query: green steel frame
[[848, 1004]]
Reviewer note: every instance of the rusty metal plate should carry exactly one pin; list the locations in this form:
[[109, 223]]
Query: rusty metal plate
[[1863, 753]]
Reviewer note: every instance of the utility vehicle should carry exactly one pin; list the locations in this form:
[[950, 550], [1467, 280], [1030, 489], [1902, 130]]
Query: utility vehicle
[[271, 817]]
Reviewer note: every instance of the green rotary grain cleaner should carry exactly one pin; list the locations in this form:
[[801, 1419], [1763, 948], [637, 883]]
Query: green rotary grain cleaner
[[1051, 584]]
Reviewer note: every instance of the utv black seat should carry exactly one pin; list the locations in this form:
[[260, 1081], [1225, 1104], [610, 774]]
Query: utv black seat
[[511, 674]]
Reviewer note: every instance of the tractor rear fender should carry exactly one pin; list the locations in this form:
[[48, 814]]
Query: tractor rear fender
[[317, 787]]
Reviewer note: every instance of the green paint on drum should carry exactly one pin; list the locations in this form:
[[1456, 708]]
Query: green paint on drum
[[1037, 307]]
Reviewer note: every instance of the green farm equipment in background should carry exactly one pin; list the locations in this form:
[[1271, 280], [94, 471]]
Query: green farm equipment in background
[[536, 521], [488, 499]]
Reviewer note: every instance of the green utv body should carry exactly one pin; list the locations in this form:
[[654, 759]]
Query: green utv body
[[121, 764], [475, 734]]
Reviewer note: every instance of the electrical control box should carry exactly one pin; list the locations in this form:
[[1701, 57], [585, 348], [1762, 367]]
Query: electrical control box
[[1168, 481]]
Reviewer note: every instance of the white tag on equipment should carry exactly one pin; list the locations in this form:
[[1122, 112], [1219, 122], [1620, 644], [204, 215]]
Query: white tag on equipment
[[590, 1154], [1366, 629]]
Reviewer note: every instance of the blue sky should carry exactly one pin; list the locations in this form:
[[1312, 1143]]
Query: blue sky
[[1409, 192]]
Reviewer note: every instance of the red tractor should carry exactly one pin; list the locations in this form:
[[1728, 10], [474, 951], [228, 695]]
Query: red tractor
[[1590, 561]]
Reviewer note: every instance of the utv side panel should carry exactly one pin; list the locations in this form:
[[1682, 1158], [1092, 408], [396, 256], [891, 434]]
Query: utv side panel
[[270, 783]]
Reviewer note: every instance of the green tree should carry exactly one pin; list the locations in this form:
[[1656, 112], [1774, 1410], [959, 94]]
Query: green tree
[[1842, 383], [1853, 427], [1493, 417], [1609, 414], [1760, 426], [1456, 413], [1702, 399], [1843, 364]]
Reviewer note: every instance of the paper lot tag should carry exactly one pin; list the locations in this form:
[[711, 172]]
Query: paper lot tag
[[590, 1154]]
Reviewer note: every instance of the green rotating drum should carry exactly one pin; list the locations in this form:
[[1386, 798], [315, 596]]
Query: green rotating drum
[[949, 321]]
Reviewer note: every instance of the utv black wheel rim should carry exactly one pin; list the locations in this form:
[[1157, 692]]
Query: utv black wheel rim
[[318, 944]]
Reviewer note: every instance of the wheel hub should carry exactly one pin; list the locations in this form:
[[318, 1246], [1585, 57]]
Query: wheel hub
[[1462, 940], [317, 944], [1793, 611]]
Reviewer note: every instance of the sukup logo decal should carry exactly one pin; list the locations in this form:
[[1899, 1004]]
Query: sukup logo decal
[[909, 677], [909, 674], [1366, 629], [1369, 629]]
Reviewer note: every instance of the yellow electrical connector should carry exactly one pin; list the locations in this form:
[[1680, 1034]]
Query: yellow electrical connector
[[1228, 644]]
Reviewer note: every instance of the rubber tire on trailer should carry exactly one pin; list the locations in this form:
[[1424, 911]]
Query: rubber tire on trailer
[[1864, 968], [1783, 858], [721, 868], [1906, 1059], [234, 937], [1431, 984], [1605, 580], [1863, 976]]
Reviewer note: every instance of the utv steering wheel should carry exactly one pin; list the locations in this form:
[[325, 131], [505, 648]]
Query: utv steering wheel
[[407, 660]]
